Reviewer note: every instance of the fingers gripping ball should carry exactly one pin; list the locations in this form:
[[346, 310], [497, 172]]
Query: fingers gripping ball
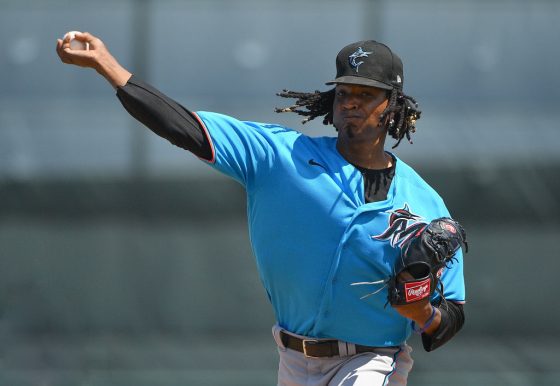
[[76, 44], [418, 269]]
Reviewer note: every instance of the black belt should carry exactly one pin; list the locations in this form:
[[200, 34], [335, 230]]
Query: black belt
[[319, 348]]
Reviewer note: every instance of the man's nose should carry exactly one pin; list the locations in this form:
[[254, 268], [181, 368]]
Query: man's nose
[[350, 102]]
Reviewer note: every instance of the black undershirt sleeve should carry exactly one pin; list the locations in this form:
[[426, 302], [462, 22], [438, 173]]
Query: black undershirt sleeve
[[452, 320], [165, 117]]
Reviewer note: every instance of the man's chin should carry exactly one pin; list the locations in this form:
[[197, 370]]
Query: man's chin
[[351, 131]]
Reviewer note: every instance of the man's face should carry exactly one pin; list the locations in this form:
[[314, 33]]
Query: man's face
[[356, 111]]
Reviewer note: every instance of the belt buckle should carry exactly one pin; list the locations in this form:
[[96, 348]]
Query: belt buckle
[[310, 342]]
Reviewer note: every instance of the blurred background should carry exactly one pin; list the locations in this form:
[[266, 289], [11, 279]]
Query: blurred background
[[126, 261]]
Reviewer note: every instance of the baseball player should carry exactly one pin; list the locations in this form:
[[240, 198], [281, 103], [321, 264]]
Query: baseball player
[[356, 252]]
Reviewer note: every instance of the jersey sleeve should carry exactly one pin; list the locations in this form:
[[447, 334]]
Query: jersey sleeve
[[241, 150]]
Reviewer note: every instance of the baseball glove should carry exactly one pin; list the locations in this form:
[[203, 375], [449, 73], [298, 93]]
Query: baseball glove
[[423, 257]]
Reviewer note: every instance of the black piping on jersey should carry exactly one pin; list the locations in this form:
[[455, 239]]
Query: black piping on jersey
[[208, 137]]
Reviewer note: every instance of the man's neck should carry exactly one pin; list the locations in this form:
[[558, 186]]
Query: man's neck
[[369, 155]]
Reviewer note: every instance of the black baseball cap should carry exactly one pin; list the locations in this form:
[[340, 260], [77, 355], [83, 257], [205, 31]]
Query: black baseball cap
[[369, 63]]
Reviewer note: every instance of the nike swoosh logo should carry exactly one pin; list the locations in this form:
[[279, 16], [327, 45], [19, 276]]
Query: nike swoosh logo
[[312, 162]]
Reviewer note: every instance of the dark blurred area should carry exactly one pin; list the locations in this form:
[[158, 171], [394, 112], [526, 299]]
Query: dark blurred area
[[126, 261]]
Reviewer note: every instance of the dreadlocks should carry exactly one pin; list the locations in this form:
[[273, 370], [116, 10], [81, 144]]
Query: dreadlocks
[[317, 104], [400, 116]]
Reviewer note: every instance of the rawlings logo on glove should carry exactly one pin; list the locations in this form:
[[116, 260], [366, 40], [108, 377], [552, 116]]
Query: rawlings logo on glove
[[415, 291]]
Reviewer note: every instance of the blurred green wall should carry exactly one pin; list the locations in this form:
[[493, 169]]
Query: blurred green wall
[[172, 255]]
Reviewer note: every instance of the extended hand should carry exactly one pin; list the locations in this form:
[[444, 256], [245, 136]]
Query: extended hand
[[83, 58], [97, 57]]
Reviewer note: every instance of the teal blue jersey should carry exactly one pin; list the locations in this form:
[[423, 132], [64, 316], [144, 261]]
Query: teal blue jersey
[[313, 235]]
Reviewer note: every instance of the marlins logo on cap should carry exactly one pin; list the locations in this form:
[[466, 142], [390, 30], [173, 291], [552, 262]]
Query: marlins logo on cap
[[359, 53]]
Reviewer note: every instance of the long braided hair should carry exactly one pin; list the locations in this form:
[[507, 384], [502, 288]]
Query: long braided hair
[[400, 116]]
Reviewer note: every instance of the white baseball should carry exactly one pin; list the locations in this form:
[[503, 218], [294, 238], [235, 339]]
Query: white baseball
[[76, 44]]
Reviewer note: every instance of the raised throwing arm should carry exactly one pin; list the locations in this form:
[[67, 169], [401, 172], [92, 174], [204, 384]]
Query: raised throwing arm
[[161, 114]]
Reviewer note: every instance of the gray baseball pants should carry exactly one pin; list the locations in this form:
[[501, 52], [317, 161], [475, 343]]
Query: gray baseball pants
[[384, 367]]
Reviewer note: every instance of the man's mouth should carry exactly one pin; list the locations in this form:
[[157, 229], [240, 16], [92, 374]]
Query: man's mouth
[[352, 116]]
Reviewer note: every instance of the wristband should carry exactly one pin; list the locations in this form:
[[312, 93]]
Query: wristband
[[427, 325]]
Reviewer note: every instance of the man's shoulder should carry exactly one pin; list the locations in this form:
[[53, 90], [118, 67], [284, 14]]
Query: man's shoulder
[[416, 182], [292, 138]]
